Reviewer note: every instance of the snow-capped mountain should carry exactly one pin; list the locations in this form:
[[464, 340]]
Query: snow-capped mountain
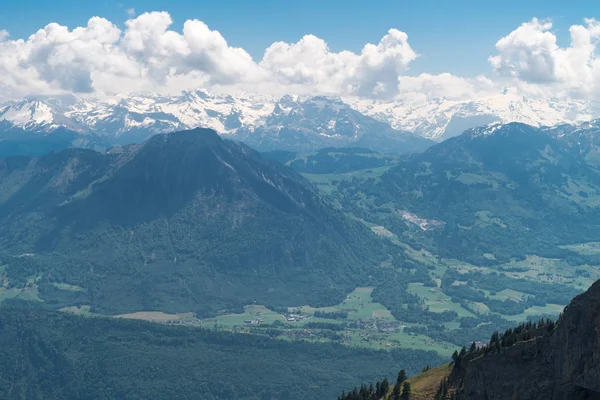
[[313, 123], [33, 115], [137, 115], [440, 119], [288, 122]]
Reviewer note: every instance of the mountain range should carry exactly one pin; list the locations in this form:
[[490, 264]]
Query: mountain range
[[273, 123]]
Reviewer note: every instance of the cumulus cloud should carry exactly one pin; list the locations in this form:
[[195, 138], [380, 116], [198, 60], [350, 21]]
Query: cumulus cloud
[[130, 12], [146, 54], [531, 54], [373, 72]]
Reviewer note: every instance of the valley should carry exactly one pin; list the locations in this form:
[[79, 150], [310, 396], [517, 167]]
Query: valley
[[356, 322]]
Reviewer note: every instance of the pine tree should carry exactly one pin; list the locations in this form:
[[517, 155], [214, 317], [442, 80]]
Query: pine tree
[[385, 386], [401, 377], [473, 347], [396, 392], [405, 391]]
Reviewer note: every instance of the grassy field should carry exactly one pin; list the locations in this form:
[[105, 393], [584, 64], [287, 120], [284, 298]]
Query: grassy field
[[552, 270], [436, 300], [28, 293], [156, 316], [358, 304], [507, 294], [70, 288], [251, 313], [400, 339], [590, 248], [79, 310]]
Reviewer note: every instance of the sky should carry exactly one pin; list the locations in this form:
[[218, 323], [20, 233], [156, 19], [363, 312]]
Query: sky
[[420, 47]]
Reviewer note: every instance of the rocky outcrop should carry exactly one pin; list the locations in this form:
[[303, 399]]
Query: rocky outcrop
[[563, 364]]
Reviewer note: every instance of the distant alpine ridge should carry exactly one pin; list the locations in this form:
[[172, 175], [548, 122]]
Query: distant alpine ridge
[[289, 122]]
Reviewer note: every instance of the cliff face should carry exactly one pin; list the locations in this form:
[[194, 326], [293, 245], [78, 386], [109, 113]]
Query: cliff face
[[563, 364]]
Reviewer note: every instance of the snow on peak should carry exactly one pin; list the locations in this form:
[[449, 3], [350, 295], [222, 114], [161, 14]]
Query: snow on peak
[[441, 118], [436, 119], [28, 114]]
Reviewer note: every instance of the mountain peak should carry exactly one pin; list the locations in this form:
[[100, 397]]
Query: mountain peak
[[203, 135], [501, 129]]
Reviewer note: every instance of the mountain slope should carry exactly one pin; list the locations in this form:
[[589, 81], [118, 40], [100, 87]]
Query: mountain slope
[[333, 160], [488, 196], [184, 222]]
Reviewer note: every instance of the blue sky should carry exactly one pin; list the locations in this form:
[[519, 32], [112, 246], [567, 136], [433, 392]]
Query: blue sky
[[451, 36]]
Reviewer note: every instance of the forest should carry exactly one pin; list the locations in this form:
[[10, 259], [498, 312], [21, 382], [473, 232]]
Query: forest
[[54, 356]]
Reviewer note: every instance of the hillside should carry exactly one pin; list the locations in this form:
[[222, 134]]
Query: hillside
[[333, 160], [184, 222], [500, 226]]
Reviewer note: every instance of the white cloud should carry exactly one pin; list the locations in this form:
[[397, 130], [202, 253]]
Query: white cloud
[[3, 34], [101, 58], [146, 54], [531, 54], [130, 12], [373, 72]]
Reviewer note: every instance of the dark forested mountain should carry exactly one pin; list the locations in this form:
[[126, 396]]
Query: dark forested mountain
[[489, 195], [15, 141], [312, 124], [333, 160], [184, 222]]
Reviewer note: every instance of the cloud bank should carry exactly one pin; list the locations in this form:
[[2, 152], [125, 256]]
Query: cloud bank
[[146, 55]]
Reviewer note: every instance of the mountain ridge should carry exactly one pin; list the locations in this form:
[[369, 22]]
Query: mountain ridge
[[261, 118]]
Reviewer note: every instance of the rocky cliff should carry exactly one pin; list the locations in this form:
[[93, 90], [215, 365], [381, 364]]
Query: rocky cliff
[[563, 364]]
